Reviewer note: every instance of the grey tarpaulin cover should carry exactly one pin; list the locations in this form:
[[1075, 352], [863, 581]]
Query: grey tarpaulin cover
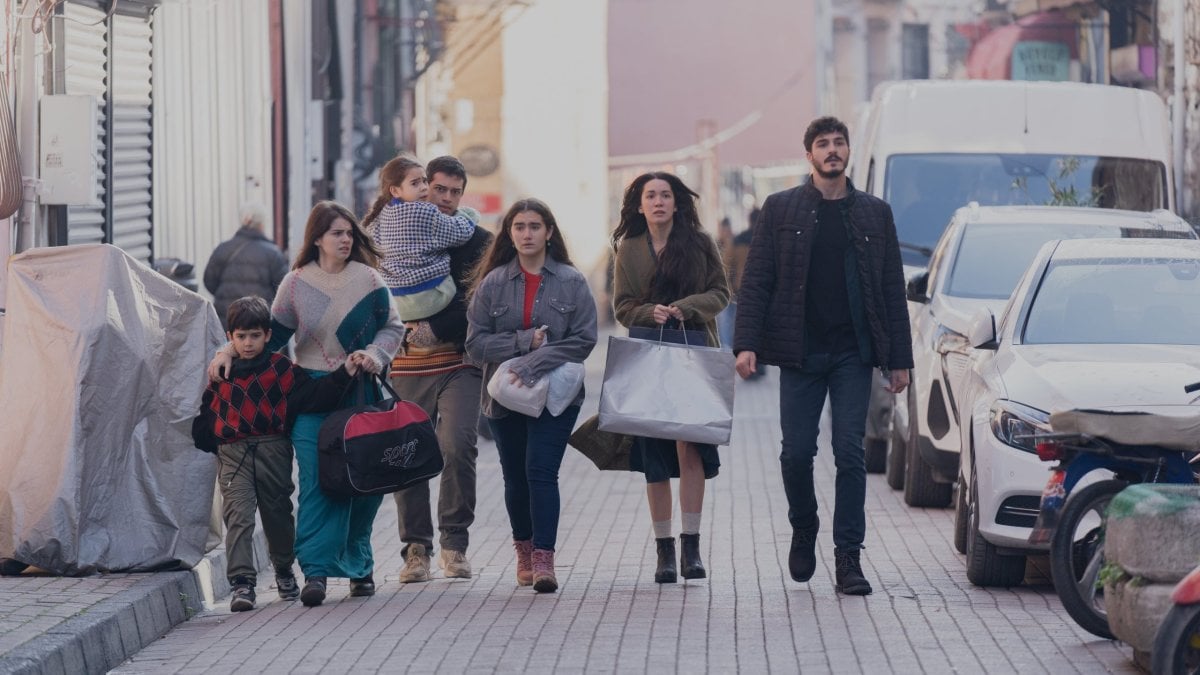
[[101, 375]]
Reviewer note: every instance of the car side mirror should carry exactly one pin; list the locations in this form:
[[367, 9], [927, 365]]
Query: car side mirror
[[982, 333], [917, 288]]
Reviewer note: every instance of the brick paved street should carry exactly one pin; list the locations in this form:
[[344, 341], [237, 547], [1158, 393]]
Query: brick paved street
[[609, 615]]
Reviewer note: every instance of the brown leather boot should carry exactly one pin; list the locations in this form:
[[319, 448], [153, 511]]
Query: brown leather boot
[[524, 561], [543, 571]]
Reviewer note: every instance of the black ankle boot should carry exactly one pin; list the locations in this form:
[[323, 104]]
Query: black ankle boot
[[802, 558], [665, 574], [690, 565], [848, 574]]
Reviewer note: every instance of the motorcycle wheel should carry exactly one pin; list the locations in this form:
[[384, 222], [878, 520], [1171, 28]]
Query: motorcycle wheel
[[1177, 642], [1077, 554]]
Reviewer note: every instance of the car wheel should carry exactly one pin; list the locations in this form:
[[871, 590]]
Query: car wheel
[[985, 566], [962, 520], [920, 489], [895, 458], [876, 454]]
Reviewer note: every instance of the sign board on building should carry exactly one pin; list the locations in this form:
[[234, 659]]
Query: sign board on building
[[1046, 61]]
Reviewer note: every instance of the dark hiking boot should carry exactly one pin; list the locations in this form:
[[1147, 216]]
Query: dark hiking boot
[[285, 584], [241, 596], [690, 565], [364, 587], [849, 575], [802, 558], [314, 591], [665, 574]]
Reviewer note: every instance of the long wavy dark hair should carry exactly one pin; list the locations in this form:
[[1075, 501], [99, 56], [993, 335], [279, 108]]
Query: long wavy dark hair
[[503, 250], [690, 253], [391, 175], [320, 219]]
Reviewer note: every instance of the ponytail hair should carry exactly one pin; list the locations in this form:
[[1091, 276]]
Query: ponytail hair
[[391, 175]]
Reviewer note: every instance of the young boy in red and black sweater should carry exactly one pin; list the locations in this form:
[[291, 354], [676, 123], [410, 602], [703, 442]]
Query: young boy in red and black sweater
[[245, 421]]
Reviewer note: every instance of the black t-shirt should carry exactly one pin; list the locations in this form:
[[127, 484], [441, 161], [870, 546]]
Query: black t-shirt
[[828, 325]]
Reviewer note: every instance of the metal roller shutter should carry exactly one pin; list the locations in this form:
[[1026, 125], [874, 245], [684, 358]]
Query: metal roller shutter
[[130, 187], [85, 73], [110, 58]]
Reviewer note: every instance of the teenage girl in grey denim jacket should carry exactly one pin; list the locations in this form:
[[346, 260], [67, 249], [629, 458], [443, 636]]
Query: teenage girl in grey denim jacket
[[530, 304]]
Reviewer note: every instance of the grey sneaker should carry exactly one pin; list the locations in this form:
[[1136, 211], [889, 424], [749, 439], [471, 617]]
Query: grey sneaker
[[285, 582], [241, 596], [454, 564], [416, 564]]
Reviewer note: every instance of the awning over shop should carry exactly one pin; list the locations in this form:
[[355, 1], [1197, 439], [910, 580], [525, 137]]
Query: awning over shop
[[1037, 47]]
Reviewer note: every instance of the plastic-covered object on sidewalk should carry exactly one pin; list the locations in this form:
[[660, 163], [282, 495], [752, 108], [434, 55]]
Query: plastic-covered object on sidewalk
[[103, 369]]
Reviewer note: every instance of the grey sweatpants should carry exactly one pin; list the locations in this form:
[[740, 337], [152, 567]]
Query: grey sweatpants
[[452, 401], [256, 473]]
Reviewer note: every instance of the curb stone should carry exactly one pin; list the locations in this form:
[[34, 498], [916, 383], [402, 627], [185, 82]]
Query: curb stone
[[110, 632]]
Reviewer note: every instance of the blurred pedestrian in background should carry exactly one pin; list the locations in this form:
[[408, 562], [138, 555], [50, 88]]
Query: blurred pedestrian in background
[[725, 240], [247, 264]]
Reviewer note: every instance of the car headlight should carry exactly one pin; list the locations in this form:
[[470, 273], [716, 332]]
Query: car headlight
[[1012, 423]]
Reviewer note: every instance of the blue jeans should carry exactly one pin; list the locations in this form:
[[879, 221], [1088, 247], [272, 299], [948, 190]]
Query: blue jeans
[[531, 451], [802, 391]]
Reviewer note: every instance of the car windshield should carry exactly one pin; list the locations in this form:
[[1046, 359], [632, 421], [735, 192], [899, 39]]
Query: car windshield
[[992, 257], [924, 190], [1117, 301]]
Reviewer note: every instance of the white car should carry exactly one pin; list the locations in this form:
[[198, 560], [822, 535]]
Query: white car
[[975, 266], [1104, 324]]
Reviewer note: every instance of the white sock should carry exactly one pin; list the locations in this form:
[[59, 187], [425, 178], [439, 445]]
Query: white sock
[[662, 529], [691, 523]]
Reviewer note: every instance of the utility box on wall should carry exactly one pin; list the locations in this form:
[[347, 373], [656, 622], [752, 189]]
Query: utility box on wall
[[69, 151]]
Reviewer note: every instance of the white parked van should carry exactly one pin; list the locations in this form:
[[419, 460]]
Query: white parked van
[[930, 147]]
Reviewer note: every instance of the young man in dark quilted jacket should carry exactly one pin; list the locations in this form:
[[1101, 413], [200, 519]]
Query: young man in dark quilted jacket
[[822, 297], [245, 421]]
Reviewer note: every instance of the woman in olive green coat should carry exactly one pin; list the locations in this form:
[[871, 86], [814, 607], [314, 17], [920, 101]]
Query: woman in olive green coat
[[667, 272]]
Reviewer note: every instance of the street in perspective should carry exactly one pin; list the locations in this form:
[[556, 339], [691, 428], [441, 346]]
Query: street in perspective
[[532, 336]]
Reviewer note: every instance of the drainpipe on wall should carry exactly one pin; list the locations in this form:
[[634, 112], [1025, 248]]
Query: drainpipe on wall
[[1178, 104]]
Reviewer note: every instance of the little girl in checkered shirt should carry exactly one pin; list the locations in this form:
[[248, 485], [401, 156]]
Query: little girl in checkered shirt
[[415, 238]]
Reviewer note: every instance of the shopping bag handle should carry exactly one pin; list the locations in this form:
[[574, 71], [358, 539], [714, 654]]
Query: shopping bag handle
[[662, 327]]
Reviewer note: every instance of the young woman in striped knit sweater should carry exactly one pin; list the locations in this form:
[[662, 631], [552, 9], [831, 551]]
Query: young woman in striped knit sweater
[[336, 305]]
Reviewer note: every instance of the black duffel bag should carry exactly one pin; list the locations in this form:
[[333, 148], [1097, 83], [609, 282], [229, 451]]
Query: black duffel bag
[[377, 448]]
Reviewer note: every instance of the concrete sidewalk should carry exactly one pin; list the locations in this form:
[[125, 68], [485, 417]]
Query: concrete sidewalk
[[610, 616]]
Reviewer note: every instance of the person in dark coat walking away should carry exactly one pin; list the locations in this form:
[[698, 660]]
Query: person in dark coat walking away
[[247, 264], [822, 297]]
